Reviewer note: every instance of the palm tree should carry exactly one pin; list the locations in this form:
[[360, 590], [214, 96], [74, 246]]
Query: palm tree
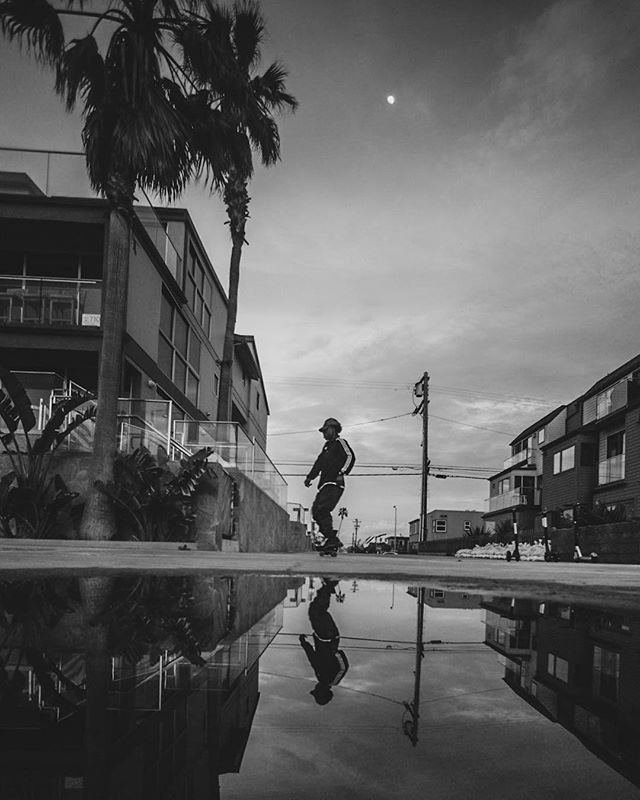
[[133, 136], [221, 50]]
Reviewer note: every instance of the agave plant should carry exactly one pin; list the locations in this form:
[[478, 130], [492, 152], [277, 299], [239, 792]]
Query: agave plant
[[150, 502], [33, 502]]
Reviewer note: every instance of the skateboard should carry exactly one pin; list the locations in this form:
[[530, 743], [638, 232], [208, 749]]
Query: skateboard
[[328, 550]]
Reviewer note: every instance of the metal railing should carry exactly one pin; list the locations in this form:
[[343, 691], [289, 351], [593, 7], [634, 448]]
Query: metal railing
[[611, 469], [51, 302], [233, 449], [63, 173]]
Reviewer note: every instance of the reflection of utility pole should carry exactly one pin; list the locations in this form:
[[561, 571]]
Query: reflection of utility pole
[[410, 726], [356, 525]]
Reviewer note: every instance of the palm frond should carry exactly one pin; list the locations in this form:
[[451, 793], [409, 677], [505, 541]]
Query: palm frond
[[15, 405], [264, 136], [80, 72], [270, 89], [35, 24], [248, 32]]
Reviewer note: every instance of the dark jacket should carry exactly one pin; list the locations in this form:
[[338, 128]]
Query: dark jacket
[[329, 663], [335, 460]]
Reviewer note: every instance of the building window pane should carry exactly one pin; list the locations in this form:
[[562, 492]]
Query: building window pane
[[615, 444], [191, 291], [192, 388], [165, 355], [206, 323], [207, 292], [181, 330], [166, 317], [194, 351], [179, 373], [568, 458]]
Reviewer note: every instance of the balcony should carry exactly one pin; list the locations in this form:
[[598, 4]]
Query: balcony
[[610, 470], [608, 402], [507, 500], [523, 458], [49, 302]]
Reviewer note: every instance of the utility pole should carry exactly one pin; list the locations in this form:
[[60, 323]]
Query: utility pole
[[356, 525], [422, 390]]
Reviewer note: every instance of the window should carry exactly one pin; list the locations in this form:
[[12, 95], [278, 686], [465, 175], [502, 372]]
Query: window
[[558, 667], [615, 444], [606, 673], [467, 526], [503, 486], [199, 291], [541, 436], [179, 350], [440, 525], [564, 460], [257, 399]]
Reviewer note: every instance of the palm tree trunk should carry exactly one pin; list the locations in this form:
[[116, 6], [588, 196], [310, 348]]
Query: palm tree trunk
[[98, 521], [236, 200]]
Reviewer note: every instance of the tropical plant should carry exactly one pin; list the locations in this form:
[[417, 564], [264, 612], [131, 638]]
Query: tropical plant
[[221, 50], [34, 503], [133, 136], [149, 501]]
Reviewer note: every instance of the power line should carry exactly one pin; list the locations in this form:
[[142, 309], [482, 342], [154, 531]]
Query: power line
[[352, 425], [470, 425]]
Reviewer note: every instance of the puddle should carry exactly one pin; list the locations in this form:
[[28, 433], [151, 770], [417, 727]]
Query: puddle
[[200, 687]]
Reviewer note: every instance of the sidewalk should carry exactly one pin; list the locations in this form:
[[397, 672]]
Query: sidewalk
[[595, 584]]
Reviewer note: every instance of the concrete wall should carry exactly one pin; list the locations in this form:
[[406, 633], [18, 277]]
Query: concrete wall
[[262, 526]]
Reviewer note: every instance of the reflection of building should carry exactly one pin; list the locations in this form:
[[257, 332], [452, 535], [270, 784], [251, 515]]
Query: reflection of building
[[444, 598], [579, 667], [585, 453], [51, 272], [169, 727]]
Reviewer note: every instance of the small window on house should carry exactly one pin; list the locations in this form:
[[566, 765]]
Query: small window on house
[[615, 444], [467, 526], [606, 673], [564, 460], [441, 525], [541, 436], [558, 667]]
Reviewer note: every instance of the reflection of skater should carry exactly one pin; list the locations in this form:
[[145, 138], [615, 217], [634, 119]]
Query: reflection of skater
[[329, 663], [334, 462]]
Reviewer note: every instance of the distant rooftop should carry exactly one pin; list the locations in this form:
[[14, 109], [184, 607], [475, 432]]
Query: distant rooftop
[[19, 183]]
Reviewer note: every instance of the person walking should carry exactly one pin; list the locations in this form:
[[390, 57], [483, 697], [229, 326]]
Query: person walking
[[336, 460]]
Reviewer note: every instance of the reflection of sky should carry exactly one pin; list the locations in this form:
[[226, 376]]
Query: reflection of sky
[[477, 738]]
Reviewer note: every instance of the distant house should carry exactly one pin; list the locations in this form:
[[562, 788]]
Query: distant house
[[444, 525], [398, 544]]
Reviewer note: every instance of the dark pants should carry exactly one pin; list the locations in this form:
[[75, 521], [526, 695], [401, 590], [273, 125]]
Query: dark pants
[[326, 500]]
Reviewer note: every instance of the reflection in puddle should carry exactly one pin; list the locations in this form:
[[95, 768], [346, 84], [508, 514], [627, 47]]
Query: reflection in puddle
[[260, 687]]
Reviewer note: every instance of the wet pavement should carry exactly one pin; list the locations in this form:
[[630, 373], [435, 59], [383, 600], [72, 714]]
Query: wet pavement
[[248, 686]]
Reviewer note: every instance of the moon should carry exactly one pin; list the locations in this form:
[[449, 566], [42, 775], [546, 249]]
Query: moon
[[391, 99]]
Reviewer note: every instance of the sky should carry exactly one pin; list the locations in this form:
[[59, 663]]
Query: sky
[[477, 738], [482, 228]]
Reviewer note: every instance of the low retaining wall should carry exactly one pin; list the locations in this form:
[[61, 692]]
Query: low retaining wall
[[615, 543], [228, 507]]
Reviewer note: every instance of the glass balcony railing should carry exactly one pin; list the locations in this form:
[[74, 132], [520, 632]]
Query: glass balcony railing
[[508, 500], [49, 302], [611, 469], [524, 457], [233, 449]]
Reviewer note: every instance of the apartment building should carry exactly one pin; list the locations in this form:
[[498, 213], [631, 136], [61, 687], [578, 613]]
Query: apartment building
[[583, 456], [51, 271]]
